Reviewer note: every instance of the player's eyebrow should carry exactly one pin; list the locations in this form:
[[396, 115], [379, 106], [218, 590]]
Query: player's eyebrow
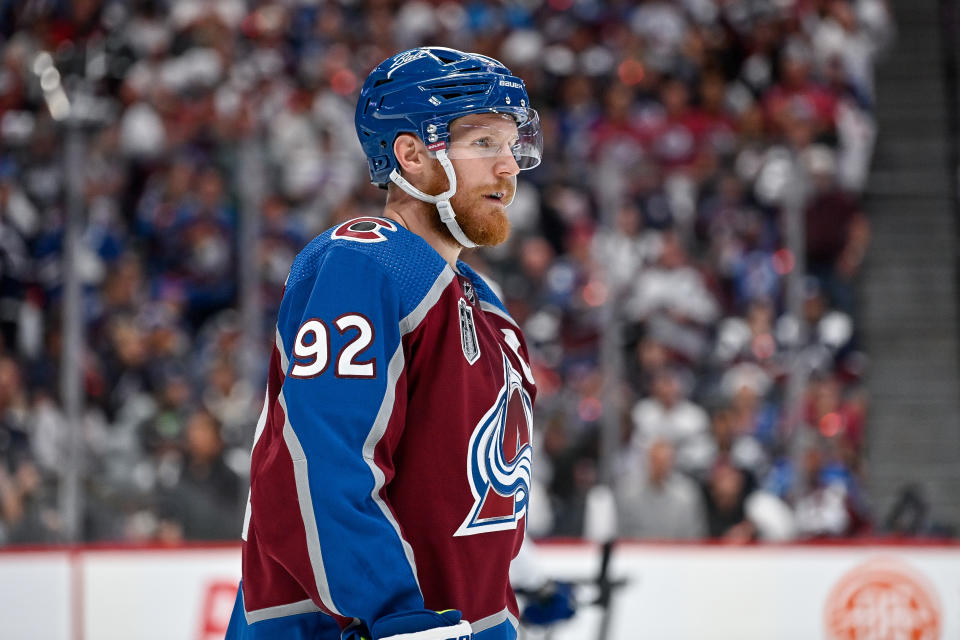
[[464, 128]]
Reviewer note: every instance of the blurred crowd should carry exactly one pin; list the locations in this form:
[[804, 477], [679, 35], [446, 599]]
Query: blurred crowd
[[675, 133]]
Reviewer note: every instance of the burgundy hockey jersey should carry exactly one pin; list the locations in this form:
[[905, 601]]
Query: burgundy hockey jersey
[[391, 466]]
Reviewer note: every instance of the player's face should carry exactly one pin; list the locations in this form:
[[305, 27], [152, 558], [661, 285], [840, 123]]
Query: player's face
[[481, 150]]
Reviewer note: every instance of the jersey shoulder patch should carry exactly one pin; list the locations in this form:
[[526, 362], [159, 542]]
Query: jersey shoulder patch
[[363, 230]]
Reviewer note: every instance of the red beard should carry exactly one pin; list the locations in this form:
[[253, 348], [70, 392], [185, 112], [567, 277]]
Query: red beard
[[483, 222]]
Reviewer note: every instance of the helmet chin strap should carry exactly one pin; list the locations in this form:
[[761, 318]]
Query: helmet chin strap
[[442, 200]]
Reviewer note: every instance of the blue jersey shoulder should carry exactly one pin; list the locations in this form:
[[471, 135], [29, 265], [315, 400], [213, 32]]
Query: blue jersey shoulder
[[411, 264]]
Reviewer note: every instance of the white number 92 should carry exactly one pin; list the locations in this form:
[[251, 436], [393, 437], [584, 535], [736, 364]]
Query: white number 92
[[311, 349]]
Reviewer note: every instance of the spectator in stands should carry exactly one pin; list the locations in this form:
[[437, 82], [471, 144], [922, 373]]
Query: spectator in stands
[[728, 446], [14, 428], [831, 341], [281, 237], [844, 42], [674, 302], [574, 476], [576, 114], [719, 135], [761, 34], [728, 228], [205, 245], [626, 249], [618, 132], [833, 415], [161, 207], [669, 415], [125, 366], [663, 26], [751, 338], [657, 501], [837, 232], [725, 497], [231, 400], [162, 435], [824, 504], [27, 514], [677, 135], [798, 96], [204, 499], [18, 223]]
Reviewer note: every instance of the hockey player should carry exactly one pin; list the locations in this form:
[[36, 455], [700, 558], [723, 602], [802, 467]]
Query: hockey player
[[391, 464]]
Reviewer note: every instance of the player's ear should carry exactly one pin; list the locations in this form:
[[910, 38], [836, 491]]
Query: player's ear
[[410, 152]]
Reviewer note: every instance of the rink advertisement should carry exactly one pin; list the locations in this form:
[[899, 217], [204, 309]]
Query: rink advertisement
[[676, 592]]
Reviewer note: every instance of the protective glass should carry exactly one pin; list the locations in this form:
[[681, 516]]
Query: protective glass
[[492, 138]]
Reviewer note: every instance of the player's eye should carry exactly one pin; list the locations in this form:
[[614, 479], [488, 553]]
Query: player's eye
[[483, 143]]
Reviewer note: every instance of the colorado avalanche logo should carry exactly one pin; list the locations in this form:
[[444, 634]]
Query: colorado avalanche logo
[[364, 230], [500, 460]]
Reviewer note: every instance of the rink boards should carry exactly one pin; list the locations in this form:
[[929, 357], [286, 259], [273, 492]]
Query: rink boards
[[672, 592]]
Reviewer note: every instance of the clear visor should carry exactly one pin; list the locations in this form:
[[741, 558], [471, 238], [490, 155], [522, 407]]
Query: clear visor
[[489, 135]]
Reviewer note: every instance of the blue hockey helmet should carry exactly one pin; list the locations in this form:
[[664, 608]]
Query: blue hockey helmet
[[420, 91]]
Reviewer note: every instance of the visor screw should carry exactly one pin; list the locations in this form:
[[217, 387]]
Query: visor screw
[[431, 128], [507, 99], [523, 103], [432, 137]]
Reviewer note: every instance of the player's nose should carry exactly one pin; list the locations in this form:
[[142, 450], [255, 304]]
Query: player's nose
[[506, 165]]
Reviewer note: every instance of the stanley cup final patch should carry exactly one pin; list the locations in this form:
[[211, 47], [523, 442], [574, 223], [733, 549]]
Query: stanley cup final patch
[[468, 333]]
